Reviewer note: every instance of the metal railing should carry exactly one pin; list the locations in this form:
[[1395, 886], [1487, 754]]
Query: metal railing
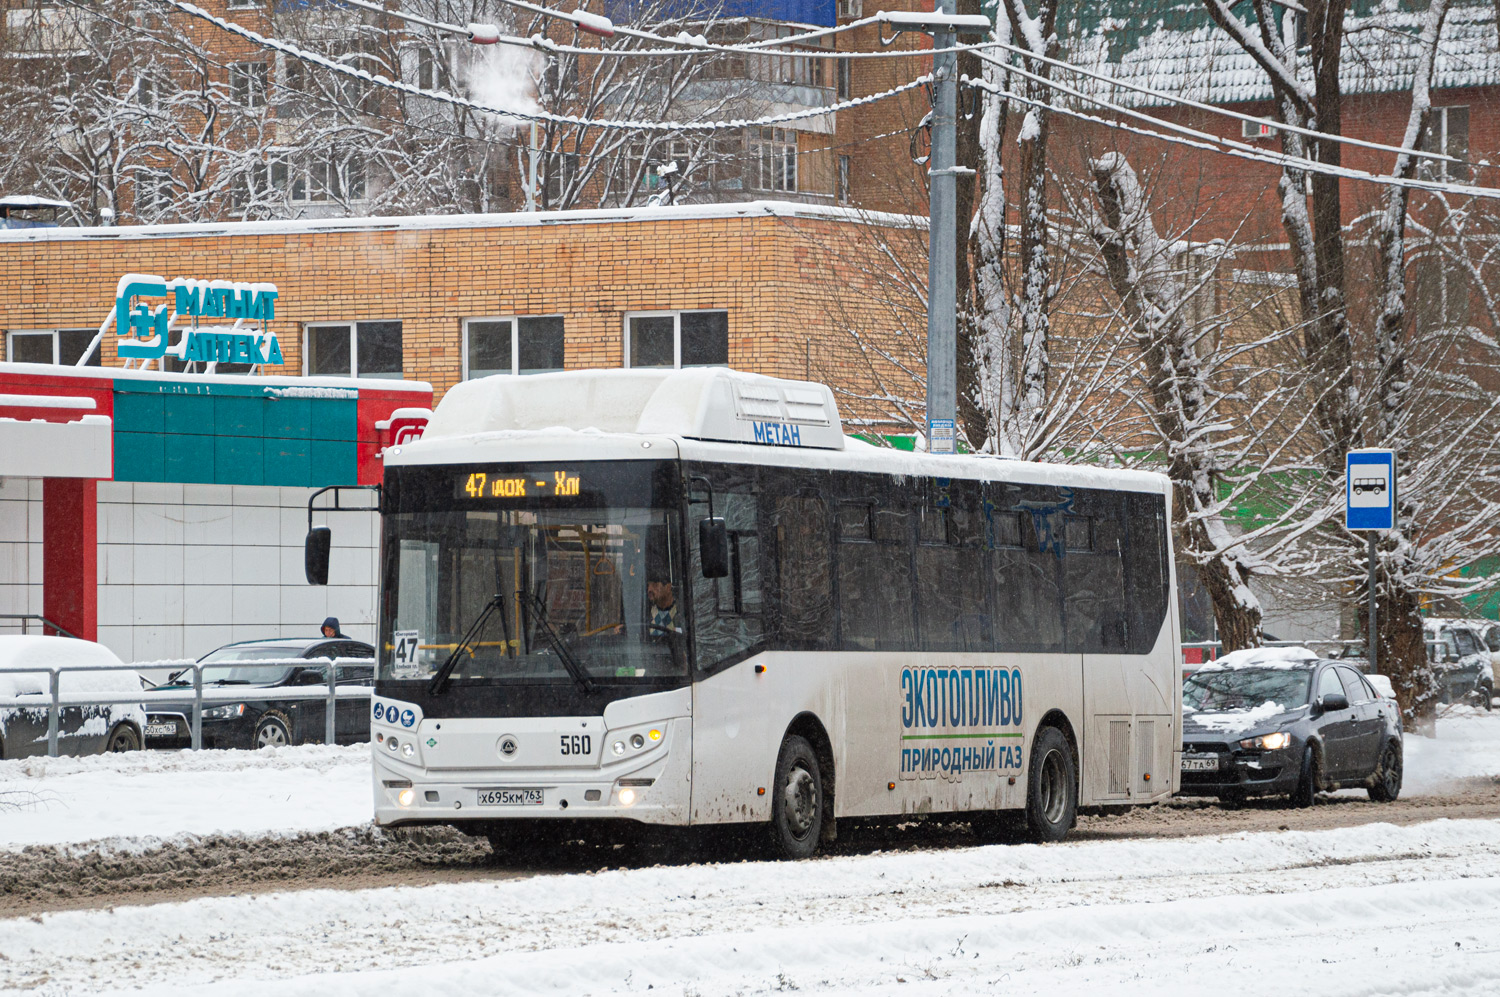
[[195, 698], [25, 617]]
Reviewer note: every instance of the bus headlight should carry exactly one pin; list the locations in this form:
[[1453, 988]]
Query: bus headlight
[[408, 749], [618, 747], [636, 741], [405, 797], [627, 797], [655, 735]]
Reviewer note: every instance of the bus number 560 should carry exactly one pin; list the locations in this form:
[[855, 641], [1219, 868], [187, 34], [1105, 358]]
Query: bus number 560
[[577, 744]]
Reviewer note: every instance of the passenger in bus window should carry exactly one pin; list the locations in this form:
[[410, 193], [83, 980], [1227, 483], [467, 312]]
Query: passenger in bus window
[[664, 611]]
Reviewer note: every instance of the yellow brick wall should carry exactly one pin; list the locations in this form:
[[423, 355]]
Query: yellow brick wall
[[777, 276]]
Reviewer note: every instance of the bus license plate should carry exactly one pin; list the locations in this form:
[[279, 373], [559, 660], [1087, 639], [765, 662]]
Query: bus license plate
[[1200, 763], [510, 797]]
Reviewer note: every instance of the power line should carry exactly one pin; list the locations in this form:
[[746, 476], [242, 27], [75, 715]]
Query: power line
[[1224, 111], [537, 116], [1238, 149], [488, 34]]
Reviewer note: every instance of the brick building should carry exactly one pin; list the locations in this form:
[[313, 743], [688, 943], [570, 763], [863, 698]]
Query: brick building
[[198, 519]]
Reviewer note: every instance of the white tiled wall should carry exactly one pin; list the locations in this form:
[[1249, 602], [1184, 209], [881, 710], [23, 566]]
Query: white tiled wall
[[186, 568], [20, 549]]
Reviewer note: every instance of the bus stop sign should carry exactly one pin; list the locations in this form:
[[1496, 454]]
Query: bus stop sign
[[1370, 490]]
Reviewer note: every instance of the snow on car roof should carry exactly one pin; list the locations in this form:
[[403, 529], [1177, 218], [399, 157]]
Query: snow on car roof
[[1263, 657], [18, 651]]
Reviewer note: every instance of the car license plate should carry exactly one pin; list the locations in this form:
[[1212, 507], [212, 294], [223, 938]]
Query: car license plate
[[161, 730], [1200, 763], [510, 797]]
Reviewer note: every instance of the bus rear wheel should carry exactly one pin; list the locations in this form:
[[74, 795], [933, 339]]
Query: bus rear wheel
[[1051, 787], [797, 800]]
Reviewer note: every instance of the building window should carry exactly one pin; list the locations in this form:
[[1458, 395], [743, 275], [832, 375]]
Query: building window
[[677, 339], [148, 92], [427, 69], [1447, 132], [244, 3], [352, 349], [249, 83], [843, 79], [526, 344], [773, 159], [317, 178], [843, 180], [59, 346], [153, 194]]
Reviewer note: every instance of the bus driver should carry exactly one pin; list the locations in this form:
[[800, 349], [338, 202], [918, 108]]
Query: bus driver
[[663, 605]]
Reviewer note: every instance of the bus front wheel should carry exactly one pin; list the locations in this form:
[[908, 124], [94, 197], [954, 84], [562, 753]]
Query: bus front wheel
[[1051, 787], [797, 800]]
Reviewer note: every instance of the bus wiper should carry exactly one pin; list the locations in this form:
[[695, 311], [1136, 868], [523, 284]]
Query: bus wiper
[[559, 646], [440, 678]]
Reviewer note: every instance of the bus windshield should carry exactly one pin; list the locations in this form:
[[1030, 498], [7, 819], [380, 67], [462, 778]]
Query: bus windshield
[[529, 588]]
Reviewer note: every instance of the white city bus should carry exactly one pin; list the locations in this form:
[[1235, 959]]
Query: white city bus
[[685, 597]]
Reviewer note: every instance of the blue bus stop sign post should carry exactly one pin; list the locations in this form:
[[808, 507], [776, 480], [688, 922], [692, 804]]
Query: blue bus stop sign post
[[1370, 504]]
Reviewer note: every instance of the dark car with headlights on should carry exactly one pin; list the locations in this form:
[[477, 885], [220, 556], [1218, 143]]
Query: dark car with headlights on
[[1282, 721], [262, 718]]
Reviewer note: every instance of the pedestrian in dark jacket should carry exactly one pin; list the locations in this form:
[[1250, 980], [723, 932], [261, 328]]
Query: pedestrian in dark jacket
[[331, 628]]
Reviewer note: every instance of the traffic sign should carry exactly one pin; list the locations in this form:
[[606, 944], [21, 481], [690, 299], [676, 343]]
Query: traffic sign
[[1370, 490]]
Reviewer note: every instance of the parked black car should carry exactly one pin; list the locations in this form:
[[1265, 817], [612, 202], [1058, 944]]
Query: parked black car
[[1461, 662], [262, 720], [1266, 722]]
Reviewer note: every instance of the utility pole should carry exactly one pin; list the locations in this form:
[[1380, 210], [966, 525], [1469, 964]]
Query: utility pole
[[942, 241]]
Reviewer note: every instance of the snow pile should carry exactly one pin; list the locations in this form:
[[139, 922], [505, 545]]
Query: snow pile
[[151, 795], [1467, 748], [59, 652], [1262, 657]]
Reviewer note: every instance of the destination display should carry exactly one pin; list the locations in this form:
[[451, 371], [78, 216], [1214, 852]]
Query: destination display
[[547, 484]]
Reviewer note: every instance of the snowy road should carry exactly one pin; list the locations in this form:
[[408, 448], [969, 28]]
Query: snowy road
[[1370, 910], [1163, 900]]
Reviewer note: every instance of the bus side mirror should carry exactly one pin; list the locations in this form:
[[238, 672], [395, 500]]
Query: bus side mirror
[[315, 555], [713, 547]]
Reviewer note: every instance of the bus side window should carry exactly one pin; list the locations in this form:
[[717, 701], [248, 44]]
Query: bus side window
[[1028, 578], [1146, 569], [727, 611], [804, 570], [950, 587]]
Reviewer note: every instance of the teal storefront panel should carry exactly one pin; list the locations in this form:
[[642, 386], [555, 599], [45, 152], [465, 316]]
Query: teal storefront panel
[[189, 459], [288, 462], [333, 419], [181, 430], [240, 416], [137, 413], [289, 418], [334, 463], [239, 460], [188, 414], [139, 456]]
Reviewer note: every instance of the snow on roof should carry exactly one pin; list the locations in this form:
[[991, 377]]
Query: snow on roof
[[28, 201], [1263, 657], [1176, 49], [303, 226], [50, 653], [712, 403]]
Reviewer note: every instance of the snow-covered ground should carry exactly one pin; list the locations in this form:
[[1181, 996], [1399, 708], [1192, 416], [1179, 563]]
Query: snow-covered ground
[[139, 796], [1358, 911], [1367, 910]]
